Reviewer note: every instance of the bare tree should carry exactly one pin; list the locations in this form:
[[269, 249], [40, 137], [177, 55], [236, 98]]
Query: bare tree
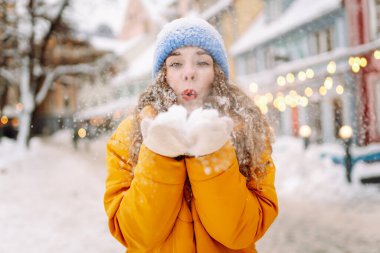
[[27, 28]]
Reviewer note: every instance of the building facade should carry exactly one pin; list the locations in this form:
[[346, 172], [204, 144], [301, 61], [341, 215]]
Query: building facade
[[363, 18], [298, 63]]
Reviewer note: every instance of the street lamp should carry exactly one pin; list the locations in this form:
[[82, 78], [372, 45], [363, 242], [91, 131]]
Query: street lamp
[[305, 133], [345, 133]]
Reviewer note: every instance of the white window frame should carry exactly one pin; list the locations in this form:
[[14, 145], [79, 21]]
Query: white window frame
[[320, 40]]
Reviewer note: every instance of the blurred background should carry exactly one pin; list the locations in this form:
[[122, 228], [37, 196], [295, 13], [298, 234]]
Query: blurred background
[[70, 71]]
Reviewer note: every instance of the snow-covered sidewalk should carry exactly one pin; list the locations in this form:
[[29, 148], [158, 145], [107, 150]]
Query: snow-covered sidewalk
[[52, 198], [52, 201], [319, 211]]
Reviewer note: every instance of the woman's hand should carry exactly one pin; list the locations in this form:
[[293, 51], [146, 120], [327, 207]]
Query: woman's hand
[[207, 132], [165, 135]]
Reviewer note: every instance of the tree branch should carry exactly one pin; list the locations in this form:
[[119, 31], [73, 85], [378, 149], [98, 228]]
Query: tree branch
[[7, 75], [70, 69], [52, 28]]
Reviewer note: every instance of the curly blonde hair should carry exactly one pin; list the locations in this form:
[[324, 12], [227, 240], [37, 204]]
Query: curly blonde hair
[[252, 134]]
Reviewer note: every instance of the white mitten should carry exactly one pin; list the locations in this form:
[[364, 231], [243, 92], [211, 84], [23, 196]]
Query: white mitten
[[165, 135], [207, 132]]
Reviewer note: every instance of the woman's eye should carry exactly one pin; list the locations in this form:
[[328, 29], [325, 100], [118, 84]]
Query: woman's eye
[[175, 64], [203, 63]]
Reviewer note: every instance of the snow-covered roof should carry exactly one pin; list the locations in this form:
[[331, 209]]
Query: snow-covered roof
[[215, 9], [299, 13], [107, 109], [117, 46], [139, 68]]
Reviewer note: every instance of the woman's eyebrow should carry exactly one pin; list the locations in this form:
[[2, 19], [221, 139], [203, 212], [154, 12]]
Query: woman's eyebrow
[[174, 53], [202, 52]]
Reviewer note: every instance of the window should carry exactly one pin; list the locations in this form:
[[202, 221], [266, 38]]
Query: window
[[323, 41], [269, 58], [280, 55], [251, 63], [275, 55]]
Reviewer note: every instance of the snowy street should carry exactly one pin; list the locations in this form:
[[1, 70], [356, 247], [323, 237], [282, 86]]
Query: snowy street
[[319, 211], [316, 227], [51, 200]]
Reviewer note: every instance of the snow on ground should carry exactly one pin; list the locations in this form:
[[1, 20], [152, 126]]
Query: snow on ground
[[319, 211], [51, 200]]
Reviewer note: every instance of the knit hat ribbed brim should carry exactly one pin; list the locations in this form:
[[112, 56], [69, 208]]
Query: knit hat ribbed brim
[[189, 32]]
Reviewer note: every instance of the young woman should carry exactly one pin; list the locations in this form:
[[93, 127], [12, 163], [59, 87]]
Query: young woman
[[191, 170]]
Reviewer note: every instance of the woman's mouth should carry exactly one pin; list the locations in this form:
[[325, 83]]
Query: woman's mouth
[[189, 94]]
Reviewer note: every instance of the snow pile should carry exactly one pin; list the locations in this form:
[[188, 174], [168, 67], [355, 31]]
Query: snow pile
[[319, 210], [307, 174]]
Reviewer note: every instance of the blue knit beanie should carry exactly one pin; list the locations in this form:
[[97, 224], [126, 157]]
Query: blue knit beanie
[[189, 32]]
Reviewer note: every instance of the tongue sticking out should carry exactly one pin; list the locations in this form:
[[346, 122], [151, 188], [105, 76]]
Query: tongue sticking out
[[189, 94]]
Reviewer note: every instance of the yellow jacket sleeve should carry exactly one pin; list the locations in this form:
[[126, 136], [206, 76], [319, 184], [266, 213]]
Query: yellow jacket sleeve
[[229, 211], [138, 202]]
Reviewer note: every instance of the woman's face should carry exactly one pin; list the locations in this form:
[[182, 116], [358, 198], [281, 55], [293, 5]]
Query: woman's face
[[190, 73]]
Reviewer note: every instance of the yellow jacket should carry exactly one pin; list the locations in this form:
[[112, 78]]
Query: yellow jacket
[[148, 213]]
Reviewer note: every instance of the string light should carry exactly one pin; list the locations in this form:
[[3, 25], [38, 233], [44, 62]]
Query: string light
[[253, 87], [376, 54], [304, 101], [281, 81], [355, 67], [308, 91], [322, 90], [290, 78], [4, 120], [363, 62], [82, 132], [302, 76], [357, 63], [351, 61], [309, 73], [339, 89], [331, 67], [269, 97], [279, 103], [328, 83]]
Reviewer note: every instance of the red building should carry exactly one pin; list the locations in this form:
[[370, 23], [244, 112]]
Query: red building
[[363, 22]]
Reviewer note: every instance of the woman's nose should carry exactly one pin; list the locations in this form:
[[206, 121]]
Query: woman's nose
[[189, 73], [189, 77]]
